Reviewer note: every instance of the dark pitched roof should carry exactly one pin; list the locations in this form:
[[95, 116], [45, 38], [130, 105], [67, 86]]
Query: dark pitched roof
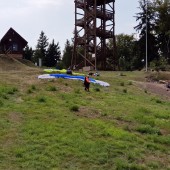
[[11, 33]]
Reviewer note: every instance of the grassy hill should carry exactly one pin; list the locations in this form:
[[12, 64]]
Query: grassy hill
[[11, 64], [55, 124]]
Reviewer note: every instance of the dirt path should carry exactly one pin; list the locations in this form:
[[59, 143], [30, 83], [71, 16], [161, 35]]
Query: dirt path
[[156, 88]]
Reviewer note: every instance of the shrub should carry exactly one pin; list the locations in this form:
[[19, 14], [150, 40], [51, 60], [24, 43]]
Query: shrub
[[74, 108], [52, 88], [148, 130], [77, 91], [33, 87], [29, 91], [42, 99], [124, 90], [122, 84], [130, 83], [158, 101], [97, 89], [13, 90], [5, 97], [1, 103]]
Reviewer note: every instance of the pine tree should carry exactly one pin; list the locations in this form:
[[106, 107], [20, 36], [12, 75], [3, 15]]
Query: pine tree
[[28, 53], [41, 48], [67, 54], [146, 19], [53, 54], [162, 8]]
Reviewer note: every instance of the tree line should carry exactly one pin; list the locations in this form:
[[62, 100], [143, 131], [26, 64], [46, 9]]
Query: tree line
[[153, 28], [49, 53]]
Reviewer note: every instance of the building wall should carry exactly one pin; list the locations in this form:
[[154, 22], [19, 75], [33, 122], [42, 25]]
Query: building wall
[[12, 44]]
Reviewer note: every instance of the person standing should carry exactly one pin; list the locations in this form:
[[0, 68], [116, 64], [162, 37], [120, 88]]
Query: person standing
[[86, 83]]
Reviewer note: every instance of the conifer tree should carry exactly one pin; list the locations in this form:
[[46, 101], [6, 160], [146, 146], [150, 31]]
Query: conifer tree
[[28, 53], [146, 26], [53, 54], [41, 48], [67, 54]]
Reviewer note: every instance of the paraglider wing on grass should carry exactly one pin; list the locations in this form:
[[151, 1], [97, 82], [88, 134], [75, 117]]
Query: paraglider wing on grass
[[65, 76]]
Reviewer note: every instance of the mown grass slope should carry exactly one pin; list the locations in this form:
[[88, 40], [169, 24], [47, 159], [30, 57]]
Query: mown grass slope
[[55, 124]]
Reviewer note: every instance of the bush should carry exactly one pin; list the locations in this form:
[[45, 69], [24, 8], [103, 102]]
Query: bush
[[124, 90], [122, 84], [29, 91], [77, 91], [52, 88], [160, 64], [74, 108], [13, 90], [42, 100], [130, 83], [33, 87], [1, 103], [148, 130], [158, 101], [97, 89]]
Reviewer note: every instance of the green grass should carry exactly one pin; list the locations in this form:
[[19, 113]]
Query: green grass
[[57, 125]]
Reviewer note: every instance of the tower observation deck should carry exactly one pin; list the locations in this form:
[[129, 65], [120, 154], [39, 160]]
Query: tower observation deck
[[94, 25]]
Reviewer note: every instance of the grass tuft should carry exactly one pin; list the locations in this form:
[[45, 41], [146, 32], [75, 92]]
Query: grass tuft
[[51, 88], [1, 103], [74, 108], [42, 99], [130, 83], [147, 129], [33, 87], [29, 91], [12, 90], [97, 89], [159, 101], [122, 84], [124, 90]]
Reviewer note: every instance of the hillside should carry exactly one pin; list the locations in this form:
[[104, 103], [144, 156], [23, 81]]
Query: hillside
[[10, 64], [55, 124]]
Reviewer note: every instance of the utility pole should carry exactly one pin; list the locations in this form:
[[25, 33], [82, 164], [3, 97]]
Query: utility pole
[[146, 35]]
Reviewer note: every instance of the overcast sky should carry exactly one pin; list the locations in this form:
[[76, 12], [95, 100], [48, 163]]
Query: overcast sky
[[56, 18]]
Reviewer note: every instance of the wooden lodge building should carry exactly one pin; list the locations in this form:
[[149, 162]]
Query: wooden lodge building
[[12, 44]]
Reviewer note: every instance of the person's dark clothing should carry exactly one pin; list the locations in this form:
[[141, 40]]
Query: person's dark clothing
[[86, 83]]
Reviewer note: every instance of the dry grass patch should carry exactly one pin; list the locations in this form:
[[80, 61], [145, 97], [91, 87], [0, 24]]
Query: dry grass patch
[[88, 113], [15, 117]]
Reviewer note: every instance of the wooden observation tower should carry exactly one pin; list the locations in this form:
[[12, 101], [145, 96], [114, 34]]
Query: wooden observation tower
[[94, 25]]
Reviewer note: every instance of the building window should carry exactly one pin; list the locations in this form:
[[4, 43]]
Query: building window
[[15, 47]]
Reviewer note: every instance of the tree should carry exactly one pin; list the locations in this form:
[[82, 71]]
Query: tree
[[162, 9], [146, 26], [41, 48], [53, 54], [28, 53], [67, 54], [127, 53]]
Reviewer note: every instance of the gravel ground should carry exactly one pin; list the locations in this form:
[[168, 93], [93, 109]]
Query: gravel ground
[[156, 88]]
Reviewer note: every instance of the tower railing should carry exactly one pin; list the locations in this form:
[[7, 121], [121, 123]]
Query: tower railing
[[94, 21]]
